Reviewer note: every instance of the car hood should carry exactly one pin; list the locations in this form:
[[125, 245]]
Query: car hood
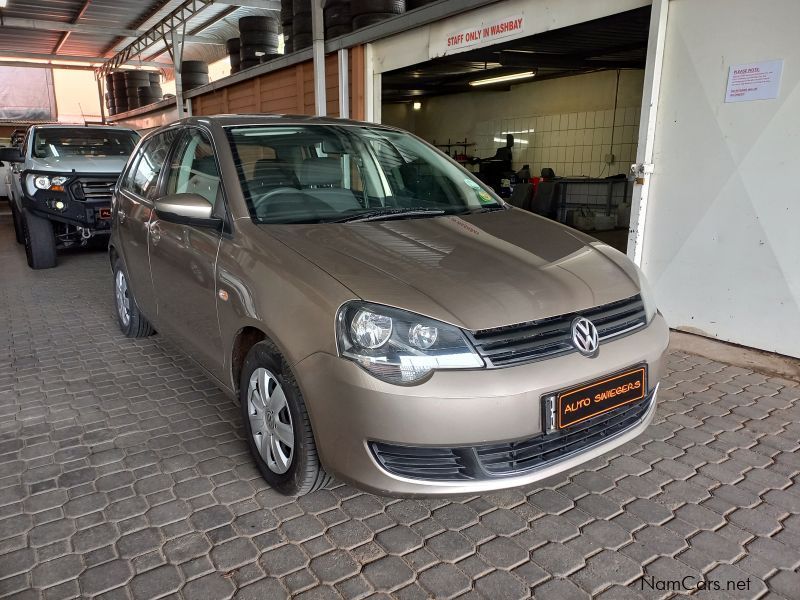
[[80, 164], [475, 271]]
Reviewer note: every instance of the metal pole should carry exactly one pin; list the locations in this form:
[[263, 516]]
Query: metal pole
[[344, 83], [318, 35], [177, 60], [102, 98]]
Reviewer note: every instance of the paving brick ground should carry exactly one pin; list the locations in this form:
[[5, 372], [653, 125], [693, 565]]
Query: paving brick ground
[[123, 474]]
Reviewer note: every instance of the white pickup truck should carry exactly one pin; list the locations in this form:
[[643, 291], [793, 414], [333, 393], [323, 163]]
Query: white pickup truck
[[61, 182]]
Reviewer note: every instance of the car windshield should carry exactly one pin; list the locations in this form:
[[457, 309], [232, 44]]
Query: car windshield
[[83, 141], [339, 173]]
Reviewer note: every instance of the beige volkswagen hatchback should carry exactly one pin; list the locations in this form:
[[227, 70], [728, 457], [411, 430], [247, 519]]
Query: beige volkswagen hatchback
[[380, 314]]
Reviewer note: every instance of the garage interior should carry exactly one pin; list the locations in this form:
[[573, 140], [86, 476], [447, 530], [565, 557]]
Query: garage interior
[[125, 473], [575, 111]]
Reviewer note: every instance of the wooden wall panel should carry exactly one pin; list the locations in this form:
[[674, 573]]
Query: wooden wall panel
[[290, 90]]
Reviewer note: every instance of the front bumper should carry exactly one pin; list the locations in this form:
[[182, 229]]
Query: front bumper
[[89, 212], [350, 409]]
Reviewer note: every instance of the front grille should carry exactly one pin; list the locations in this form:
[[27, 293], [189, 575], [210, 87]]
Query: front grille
[[509, 458], [95, 190], [545, 338], [516, 457], [436, 464]]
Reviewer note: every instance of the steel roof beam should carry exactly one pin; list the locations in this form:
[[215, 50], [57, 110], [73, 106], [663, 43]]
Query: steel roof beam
[[265, 4], [41, 25], [67, 58], [176, 20]]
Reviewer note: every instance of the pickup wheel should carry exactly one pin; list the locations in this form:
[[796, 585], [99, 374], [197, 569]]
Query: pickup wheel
[[277, 424], [131, 321], [40, 243], [19, 232]]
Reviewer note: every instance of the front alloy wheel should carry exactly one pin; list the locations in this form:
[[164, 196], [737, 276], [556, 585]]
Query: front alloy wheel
[[270, 421]]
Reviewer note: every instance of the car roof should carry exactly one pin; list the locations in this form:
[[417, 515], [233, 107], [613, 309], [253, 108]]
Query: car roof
[[227, 120], [80, 125]]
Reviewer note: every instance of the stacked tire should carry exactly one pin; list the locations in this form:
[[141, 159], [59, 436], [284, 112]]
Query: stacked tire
[[338, 18], [133, 81], [369, 12], [152, 92], [194, 73], [302, 36], [232, 46], [287, 15], [118, 92], [258, 36], [111, 104]]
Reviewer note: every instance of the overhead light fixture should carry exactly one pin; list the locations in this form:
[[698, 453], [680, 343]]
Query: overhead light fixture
[[415, 106], [503, 78]]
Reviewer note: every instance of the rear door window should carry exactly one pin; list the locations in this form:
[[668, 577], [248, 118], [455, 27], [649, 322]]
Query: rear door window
[[142, 178]]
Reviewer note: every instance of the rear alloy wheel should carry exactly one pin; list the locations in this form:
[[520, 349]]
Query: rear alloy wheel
[[277, 424], [40, 242], [131, 321]]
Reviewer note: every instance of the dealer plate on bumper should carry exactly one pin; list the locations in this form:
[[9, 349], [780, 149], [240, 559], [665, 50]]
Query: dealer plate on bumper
[[575, 405]]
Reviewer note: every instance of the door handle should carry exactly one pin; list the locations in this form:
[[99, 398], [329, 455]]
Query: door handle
[[155, 234], [121, 215]]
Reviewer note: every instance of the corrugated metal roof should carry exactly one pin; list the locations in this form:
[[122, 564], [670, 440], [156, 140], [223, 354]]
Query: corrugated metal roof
[[109, 14]]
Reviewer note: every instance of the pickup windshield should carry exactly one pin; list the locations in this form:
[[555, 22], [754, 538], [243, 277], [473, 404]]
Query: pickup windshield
[[348, 173], [83, 141]]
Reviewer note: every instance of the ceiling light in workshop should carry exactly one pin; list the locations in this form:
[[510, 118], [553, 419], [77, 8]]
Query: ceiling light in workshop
[[416, 105], [503, 78]]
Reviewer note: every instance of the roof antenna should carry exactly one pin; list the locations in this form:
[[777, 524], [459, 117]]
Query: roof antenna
[[83, 115]]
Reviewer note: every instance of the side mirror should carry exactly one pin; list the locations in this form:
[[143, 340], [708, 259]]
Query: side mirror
[[186, 209], [11, 155]]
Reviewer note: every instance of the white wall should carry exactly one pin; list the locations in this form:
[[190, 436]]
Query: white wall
[[721, 241], [567, 124]]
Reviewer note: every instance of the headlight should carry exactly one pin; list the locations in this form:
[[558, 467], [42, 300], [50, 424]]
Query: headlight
[[399, 346], [44, 182]]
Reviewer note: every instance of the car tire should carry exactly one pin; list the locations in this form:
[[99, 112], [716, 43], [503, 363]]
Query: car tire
[[132, 322], [368, 7], [40, 243], [18, 232], [370, 19], [268, 412]]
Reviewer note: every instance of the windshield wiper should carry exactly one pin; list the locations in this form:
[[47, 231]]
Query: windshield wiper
[[486, 209], [389, 213]]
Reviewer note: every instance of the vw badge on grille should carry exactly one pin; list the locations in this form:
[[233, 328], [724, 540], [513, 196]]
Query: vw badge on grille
[[584, 336]]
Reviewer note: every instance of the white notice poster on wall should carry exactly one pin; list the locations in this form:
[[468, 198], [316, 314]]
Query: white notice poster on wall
[[756, 81]]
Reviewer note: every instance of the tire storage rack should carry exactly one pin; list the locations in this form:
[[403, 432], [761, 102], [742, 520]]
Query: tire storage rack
[[126, 90], [258, 35]]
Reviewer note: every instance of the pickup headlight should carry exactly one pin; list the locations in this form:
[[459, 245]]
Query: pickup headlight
[[399, 346], [43, 182]]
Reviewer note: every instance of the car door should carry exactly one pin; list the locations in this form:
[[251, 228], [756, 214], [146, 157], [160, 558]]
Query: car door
[[183, 256], [138, 189]]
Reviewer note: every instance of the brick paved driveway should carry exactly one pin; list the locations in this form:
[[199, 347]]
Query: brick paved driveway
[[123, 474]]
